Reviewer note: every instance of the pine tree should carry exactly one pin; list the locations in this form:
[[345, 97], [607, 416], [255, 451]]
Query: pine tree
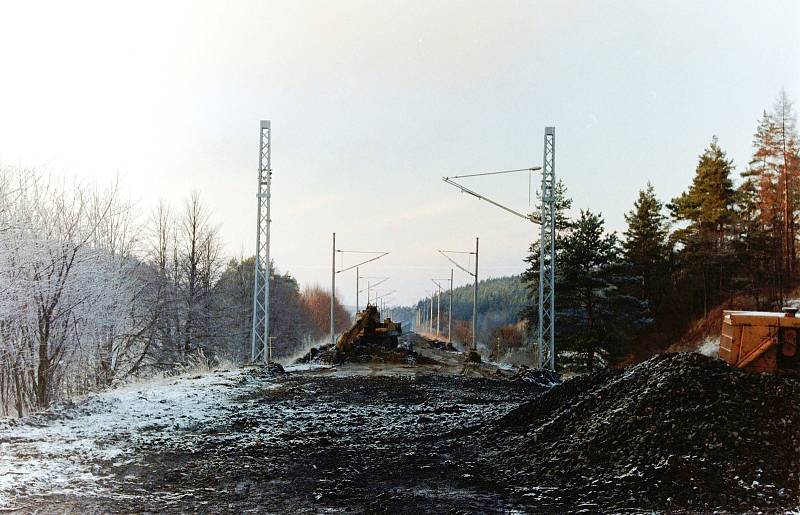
[[788, 155], [530, 277], [772, 178], [708, 209], [595, 316], [646, 245], [562, 204]]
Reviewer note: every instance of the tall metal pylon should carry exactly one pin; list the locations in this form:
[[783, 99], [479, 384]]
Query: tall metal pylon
[[547, 254], [547, 242], [259, 350]]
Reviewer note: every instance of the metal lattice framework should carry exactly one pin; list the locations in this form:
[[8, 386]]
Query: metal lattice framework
[[547, 243], [547, 254], [260, 349]]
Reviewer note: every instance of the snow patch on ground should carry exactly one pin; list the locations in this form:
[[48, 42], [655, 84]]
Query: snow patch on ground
[[62, 450], [709, 347], [304, 367]]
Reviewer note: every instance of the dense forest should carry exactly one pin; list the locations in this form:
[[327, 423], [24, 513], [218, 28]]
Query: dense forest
[[725, 242], [500, 302]]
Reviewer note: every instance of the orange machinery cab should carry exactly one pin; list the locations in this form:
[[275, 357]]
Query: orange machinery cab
[[760, 341]]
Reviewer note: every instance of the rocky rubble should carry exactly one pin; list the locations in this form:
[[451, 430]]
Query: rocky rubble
[[321, 354], [677, 432], [364, 352], [543, 378], [441, 345]]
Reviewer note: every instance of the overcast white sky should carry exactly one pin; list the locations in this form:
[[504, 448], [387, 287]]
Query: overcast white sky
[[372, 102]]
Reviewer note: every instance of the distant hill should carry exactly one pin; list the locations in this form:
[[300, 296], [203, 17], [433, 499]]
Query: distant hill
[[500, 301]]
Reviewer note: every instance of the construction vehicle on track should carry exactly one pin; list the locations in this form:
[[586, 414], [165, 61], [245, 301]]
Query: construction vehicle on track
[[760, 341], [369, 330]]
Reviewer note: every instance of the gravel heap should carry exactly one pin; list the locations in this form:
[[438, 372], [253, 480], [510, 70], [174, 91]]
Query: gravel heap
[[363, 353], [322, 354], [677, 432], [441, 345], [540, 377]]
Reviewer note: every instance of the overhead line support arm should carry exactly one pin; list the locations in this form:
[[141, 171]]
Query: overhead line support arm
[[362, 263], [464, 189], [471, 274]]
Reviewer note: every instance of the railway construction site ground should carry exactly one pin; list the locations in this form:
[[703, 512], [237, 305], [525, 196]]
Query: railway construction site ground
[[679, 433]]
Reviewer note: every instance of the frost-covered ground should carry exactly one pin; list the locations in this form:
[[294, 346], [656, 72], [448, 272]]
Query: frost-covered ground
[[358, 437], [318, 437], [73, 449], [679, 432]]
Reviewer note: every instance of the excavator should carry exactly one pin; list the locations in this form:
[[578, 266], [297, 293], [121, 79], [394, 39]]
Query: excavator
[[369, 330], [760, 341]]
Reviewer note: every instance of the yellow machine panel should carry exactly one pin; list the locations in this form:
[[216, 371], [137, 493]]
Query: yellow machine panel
[[760, 341]]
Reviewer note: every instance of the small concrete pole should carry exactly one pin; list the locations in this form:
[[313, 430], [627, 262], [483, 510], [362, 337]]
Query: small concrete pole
[[450, 310], [475, 303], [438, 310], [430, 322], [333, 286]]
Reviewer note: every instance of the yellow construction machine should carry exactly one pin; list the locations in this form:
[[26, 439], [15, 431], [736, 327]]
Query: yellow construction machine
[[760, 341], [369, 330]]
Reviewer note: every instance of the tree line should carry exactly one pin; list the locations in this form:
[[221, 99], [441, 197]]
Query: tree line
[[724, 242], [500, 301], [90, 295]]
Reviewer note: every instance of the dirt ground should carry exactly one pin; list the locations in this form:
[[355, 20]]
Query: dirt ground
[[672, 434], [354, 438]]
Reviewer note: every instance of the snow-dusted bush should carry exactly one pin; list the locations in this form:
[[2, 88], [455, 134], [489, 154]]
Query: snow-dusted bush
[[68, 318], [89, 297]]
